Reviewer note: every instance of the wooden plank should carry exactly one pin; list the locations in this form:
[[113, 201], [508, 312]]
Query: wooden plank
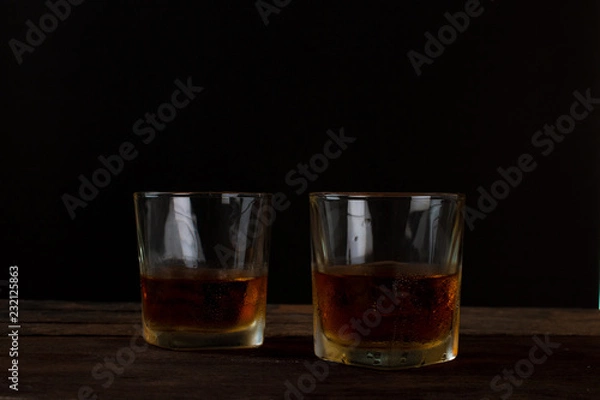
[[69, 318], [65, 346], [527, 321], [60, 305], [57, 367]]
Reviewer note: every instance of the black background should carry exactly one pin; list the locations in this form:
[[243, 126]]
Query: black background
[[271, 93]]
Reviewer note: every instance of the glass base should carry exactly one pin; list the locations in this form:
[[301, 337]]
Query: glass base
[[249, 337], [386, 358]]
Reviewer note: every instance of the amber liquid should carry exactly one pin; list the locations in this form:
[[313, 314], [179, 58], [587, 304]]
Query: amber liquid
[[204, 300], [417, 307]]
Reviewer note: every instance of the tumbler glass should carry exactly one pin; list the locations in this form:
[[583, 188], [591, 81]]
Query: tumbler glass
[[203, 260], [386, 274]]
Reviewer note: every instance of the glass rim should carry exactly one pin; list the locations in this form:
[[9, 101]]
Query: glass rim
[[374, 195], [156, 194]]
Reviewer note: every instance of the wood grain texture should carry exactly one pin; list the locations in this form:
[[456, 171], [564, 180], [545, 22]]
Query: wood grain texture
[[67, 346], [72, 318]]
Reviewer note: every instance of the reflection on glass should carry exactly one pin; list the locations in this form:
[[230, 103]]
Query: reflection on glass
[[239, 230], [422, 227], [360, 235], [182, 240]]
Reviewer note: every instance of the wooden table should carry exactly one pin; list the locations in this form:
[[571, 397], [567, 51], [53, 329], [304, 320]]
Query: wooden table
[[70, 350]]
